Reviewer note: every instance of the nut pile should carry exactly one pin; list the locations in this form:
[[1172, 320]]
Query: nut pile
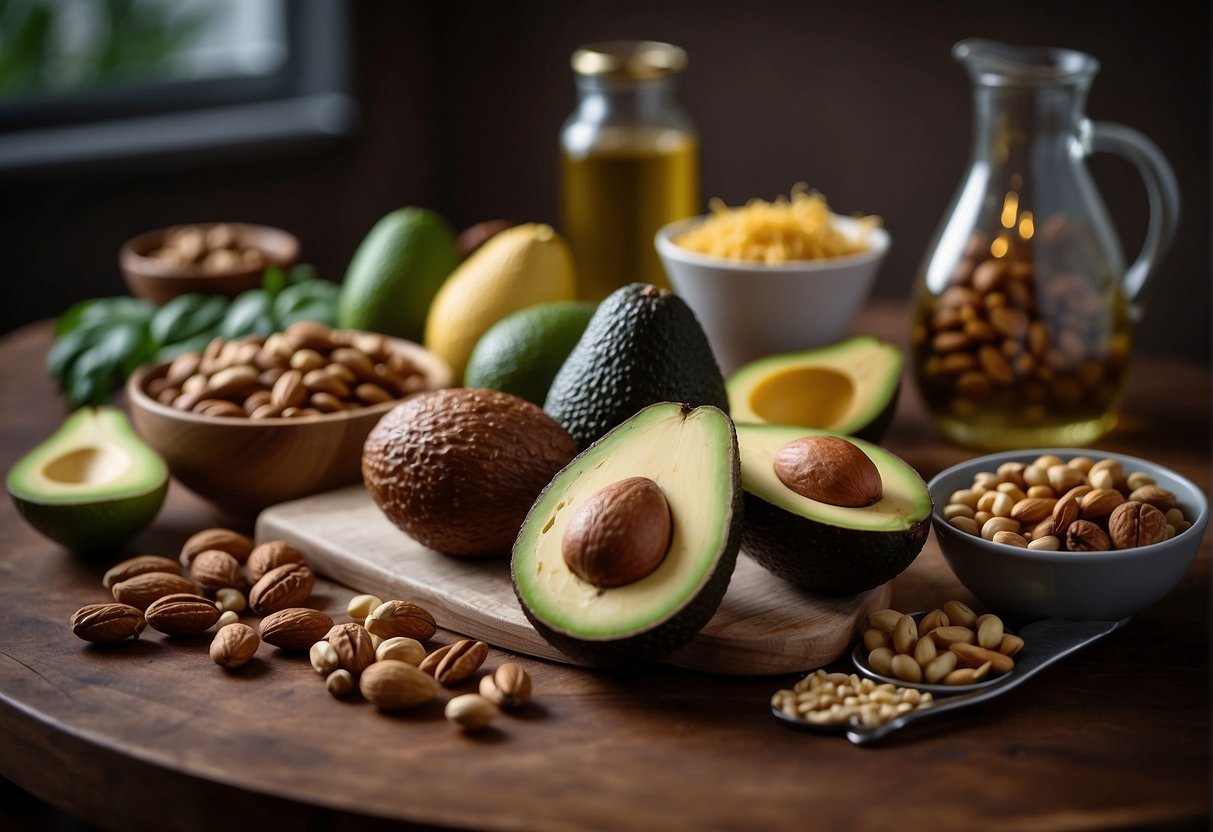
[[379, 653], [836, 698], [305, 370], [1081, 505], [949, 646], [1018, 333], [210, 249]]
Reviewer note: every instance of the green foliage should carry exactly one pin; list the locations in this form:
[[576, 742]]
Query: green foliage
[[99, 342]]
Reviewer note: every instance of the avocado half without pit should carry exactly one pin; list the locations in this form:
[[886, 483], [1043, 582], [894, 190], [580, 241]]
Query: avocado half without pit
[[831, 514], [91, 485], [850, 387], [629, 550]]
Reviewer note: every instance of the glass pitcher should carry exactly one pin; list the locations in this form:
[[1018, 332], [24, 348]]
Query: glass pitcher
[[1022, 327], [629, 162]]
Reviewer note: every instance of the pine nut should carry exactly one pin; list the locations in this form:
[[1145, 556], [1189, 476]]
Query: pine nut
[[905, 635], [940, 667]]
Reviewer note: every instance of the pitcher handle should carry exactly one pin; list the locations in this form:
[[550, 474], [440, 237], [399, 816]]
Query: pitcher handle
[[1161, 188]]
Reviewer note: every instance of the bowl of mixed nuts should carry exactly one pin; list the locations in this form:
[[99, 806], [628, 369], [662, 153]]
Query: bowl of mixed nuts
[[251, 422], [1082, 535], [223, 258]]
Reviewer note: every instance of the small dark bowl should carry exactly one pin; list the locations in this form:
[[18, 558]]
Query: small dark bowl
[[159, 282]]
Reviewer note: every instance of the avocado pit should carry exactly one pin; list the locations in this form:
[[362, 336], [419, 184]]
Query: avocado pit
[[829, 469], [621, 534]]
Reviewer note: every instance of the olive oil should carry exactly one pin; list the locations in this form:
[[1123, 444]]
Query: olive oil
[[617, 194]]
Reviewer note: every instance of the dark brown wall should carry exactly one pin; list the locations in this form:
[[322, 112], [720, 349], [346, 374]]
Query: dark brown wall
[[462, 103]]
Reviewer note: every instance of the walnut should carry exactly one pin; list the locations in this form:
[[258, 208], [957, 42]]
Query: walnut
[[1135, 524]]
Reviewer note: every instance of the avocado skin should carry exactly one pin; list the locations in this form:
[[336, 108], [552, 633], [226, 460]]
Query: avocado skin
[[643, 346], [823, 558], [94, 529]]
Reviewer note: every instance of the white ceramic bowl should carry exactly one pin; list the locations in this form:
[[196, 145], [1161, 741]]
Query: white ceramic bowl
[[1079, 586], [751, 310]]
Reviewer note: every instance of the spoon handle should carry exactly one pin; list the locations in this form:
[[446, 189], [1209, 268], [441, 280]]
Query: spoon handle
[[1051, 639]]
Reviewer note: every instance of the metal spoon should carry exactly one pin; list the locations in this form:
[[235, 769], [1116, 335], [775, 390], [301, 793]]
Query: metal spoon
[[1050, 639]]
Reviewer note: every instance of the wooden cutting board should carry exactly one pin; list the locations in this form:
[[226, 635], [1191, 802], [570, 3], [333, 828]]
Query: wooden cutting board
[[764, 625]]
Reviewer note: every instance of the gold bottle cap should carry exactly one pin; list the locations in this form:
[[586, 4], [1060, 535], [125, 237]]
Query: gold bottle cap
[[635, 59]]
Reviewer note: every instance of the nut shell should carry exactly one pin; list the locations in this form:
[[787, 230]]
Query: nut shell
[[234, 543], [107, 623], [355, 650], [1135, 523], [393, 619], [295, 628], [140, 565], [452, 664], [215, 569], [182, 614], [284, 586], [234, 645], [270, 555], [508, 686], [141, 590]]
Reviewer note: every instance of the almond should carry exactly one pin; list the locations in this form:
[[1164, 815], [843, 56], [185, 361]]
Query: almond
[[455, 662], [269, 555], [1099, 503], [1032, 509], [182, 614], [355, 650], [284, 586], [1154, 495], [295, 628], [234, 543], [107, 623], [141, 590], [393, 685], [234, 645], [401, 618], [140, 565], [213, 570]]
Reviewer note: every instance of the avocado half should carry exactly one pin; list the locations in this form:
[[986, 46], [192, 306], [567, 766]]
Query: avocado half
[[91, 485], [825, 548], [691, 453], [850, 387]]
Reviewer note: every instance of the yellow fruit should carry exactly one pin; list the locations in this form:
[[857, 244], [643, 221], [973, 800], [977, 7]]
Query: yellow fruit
[[519, 267]]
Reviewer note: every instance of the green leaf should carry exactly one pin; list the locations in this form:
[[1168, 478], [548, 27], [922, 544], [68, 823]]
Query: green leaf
[[66, 349], [195, 344], [273, 281], [301, 273], [245, 314], [92, 377], [299, 295], [318, 311], [186, 316]]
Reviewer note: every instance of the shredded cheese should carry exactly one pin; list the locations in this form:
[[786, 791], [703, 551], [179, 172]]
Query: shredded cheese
[[799, 227]]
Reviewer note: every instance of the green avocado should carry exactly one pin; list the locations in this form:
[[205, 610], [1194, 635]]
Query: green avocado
[[396, 272], [834, 550], [643, 345], [92, 485], [691, 455], [850, 387]]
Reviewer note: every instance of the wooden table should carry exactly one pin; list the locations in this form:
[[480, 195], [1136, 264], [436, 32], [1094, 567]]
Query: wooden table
[[154, 736]]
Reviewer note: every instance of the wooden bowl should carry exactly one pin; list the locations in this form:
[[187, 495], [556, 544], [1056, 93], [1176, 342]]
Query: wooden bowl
[[159, 282], [244, 465]]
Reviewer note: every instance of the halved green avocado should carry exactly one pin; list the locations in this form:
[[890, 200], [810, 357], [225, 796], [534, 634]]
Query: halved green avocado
[[691, 454], [826, 548], [850, 387], [91, 485]]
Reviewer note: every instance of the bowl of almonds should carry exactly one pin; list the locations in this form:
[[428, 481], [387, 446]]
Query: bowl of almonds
[[1061, 533], [224, 258], [255, 421]]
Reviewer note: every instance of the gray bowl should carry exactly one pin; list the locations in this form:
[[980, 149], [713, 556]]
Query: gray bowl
[[1080, 586]]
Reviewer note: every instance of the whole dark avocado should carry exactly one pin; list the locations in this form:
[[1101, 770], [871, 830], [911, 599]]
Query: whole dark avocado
[[643, 346], [457, 469]]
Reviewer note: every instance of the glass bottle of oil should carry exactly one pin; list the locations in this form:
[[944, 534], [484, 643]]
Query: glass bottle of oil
[[629, 162]]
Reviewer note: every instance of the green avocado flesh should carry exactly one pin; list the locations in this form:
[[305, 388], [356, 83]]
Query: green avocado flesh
[[91, 485], [850, 387], [691, 453], [822, 547]]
